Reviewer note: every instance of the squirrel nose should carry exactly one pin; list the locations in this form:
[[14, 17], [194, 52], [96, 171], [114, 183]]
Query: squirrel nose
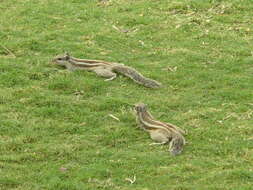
[[176, 152]]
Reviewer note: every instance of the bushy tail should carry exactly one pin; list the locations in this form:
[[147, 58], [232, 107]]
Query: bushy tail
[[136, 76]]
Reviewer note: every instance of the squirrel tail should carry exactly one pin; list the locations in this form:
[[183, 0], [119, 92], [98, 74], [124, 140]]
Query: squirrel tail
[[136, 76]]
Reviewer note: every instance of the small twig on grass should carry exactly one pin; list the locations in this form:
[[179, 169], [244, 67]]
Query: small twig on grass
[[174, 69], [228, 116], [131, 180], [116, 28], [9, 51], [120, 30], [112, 116], [82, 124]]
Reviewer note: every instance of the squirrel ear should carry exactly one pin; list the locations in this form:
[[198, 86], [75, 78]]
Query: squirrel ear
[[67, 55]]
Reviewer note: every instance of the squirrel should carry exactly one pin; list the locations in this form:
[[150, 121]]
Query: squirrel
[[160, 132], [104, 69]]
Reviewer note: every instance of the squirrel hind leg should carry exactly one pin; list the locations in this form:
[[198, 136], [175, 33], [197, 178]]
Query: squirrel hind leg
[[105, 73], [159, 136], [113, 77], [161, 143]]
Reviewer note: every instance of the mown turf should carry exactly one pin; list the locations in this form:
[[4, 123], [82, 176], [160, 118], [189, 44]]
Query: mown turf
[[54, 125]]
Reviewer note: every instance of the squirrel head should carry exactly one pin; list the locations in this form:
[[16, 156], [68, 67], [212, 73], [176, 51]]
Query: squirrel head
[[61, 59], [176, 146], [140, 107]]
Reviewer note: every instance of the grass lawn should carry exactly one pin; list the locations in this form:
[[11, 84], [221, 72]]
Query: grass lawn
[[55, 129]]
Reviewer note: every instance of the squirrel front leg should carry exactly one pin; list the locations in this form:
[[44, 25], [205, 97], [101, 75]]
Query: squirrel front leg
[[106, 73], [69, 67]]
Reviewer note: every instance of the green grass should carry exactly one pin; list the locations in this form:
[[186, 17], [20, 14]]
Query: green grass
[[54, 125]]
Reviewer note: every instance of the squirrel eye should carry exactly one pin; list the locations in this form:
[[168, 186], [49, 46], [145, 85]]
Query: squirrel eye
[[59, 58]]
